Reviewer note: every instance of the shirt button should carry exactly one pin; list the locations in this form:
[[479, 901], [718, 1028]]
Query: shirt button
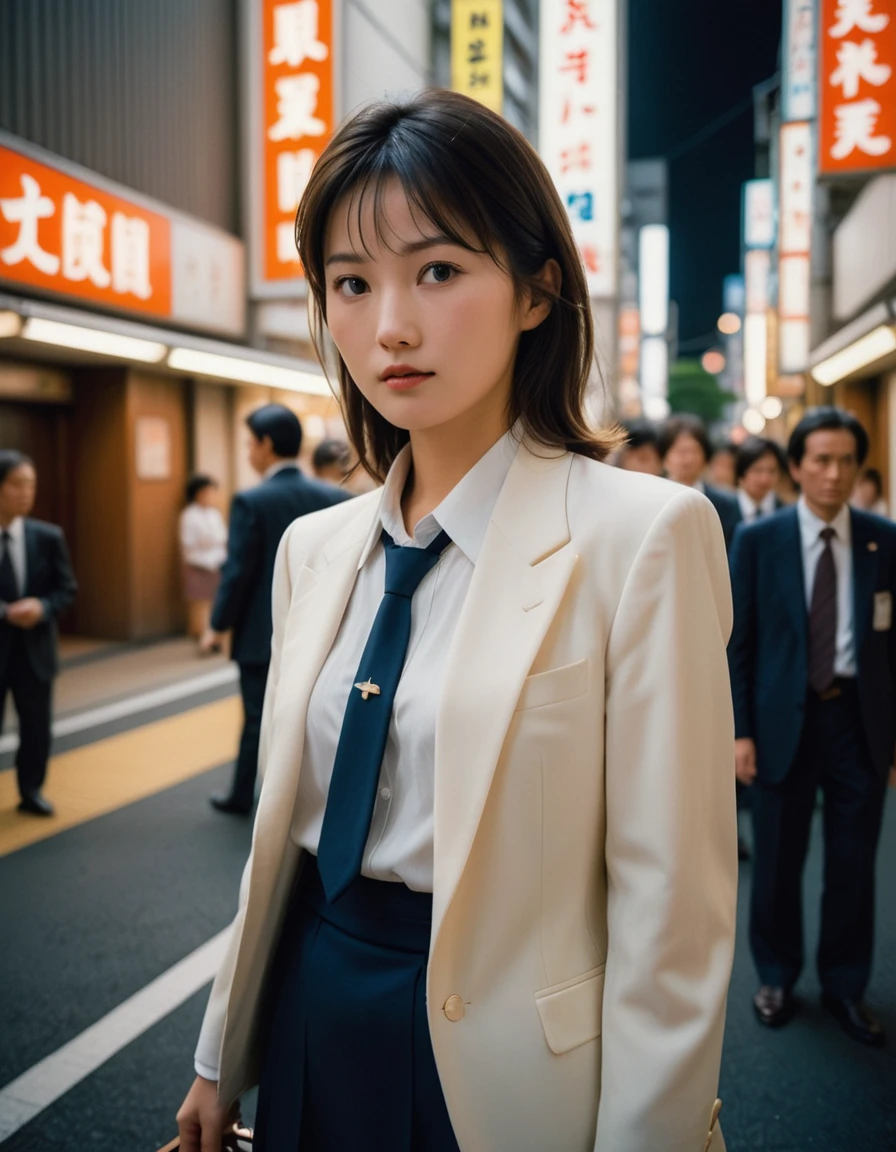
[[454, 1008], [386, 793]]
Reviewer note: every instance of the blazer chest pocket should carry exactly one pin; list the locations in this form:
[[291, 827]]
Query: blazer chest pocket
[[554, 685], [571, 1012]]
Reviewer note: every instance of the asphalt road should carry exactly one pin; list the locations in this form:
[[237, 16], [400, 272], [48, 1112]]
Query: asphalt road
[[92, 915]]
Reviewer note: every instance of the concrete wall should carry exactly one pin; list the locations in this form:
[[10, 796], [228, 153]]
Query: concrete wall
[[386, 50]]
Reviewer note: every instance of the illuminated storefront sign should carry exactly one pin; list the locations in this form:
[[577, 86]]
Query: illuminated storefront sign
[[291, 114], [794, 246], [857, 85], [577, 129], [71, 238], [477, 47], [68, 232], [798, 100]]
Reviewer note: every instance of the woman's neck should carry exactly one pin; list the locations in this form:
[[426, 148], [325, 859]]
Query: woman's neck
[[441, 458]]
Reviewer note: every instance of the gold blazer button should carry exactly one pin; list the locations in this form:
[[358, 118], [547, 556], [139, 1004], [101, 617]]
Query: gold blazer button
[[454, 1009]]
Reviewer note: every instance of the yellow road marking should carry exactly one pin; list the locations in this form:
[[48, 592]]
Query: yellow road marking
[[98, 778]]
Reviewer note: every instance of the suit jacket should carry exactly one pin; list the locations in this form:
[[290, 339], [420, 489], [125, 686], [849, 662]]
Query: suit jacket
[[49, 578], [725, 503], [768, 653], [585, 845], [258, 519]]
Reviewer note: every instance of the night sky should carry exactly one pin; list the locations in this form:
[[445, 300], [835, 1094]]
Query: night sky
[[690, 62]]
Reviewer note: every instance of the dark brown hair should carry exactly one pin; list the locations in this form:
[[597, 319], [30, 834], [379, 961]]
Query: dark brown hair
[[683, 424], [481, 184]]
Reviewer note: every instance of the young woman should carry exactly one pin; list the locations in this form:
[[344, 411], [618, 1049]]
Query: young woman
[[490, 901], [203, 543]]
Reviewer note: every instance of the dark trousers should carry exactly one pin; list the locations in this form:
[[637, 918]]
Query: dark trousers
[[349, 1065], [253, 678], [832, 756], [33, 699]]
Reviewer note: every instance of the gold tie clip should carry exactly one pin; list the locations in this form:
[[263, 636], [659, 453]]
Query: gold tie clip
[[368, 689]]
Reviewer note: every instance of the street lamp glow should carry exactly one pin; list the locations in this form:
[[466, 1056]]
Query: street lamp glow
[[771, 407], [713, 362], [753, 421], [729, 323]]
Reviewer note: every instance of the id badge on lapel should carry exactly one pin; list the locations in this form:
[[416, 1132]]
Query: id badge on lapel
[[883, 612]]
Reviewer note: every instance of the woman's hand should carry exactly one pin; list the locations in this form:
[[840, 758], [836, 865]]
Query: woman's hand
[[745, 760], [201, 1120]]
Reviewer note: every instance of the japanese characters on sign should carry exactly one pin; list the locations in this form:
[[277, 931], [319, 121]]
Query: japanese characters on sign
[[798, 87], [759, 214], [857, 83], [794, 245], [298, 119], [577, 126], [477, 48], [62, 235]]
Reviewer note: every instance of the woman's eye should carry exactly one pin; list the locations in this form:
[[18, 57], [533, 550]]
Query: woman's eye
[[439, 273], [351, 286]]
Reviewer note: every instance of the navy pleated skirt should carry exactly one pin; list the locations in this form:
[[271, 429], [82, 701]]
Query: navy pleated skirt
[[349, 1065]]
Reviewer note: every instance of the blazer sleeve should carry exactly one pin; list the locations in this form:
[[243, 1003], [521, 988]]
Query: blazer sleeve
[[243, 557], [671, 840], [742, 646], [207, 1057], [65, 586]]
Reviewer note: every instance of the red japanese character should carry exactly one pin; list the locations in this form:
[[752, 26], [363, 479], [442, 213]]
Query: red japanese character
[[577, 13]]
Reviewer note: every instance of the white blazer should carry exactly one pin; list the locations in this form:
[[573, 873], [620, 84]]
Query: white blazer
[[585, 857]]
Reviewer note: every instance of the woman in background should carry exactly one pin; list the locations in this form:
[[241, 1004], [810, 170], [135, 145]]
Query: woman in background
[[203, 542]]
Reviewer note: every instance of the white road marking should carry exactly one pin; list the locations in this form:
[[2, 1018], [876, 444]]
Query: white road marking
[[133, 705], [29, 1094]]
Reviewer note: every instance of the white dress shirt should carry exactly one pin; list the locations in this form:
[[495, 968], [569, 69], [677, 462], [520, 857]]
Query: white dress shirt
[[203, 537], [400, 844], [16, 531], [841, 545], [750, 510]]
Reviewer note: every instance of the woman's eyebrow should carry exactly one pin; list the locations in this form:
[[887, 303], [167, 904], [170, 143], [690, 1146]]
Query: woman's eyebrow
[[405, 250]]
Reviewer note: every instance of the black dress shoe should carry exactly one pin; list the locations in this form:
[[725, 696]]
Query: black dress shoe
[[855, 1019], [774, 1006], [35, 805], [228, 804]]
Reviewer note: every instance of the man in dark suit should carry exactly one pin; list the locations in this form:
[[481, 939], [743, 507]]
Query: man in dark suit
[[758, 464], [685, 450], [258, 519], [36, 584], [813, 675]]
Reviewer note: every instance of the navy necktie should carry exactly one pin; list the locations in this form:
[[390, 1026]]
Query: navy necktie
[[365, 726], [9, 585]]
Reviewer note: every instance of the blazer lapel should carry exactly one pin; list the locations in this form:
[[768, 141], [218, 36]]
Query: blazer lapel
[[864, 574], [319, 601], [519, 580], [790, 571]]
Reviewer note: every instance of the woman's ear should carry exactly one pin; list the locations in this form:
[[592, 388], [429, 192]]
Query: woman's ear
[[540, 301]]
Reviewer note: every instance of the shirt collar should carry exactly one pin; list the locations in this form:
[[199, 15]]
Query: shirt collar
[[465, 512], [16, 529], [811, 525], [278, 467], [749, 507]]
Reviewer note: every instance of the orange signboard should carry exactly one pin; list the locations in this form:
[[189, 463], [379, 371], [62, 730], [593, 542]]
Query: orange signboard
[[857, 86], [298, 111], [65, 236]]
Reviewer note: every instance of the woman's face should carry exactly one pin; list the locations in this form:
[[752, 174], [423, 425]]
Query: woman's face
[[760, 478], [428, 332], [207, 496]]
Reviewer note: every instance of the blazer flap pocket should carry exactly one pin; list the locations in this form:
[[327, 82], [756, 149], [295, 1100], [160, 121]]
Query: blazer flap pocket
[[571, 1012], [554, 685]]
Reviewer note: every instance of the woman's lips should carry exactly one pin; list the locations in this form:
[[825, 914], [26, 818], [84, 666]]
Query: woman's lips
[[406, 383]]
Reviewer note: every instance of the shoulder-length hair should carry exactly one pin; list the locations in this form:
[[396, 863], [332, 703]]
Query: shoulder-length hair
[[480, 183]]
